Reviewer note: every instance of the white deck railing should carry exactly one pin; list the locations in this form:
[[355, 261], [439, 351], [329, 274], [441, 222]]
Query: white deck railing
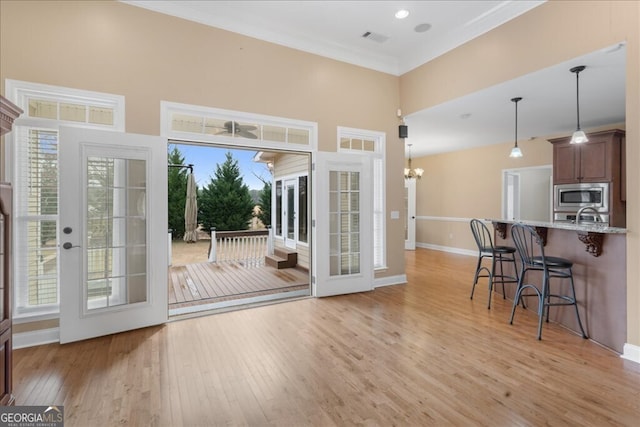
[[248, 247]]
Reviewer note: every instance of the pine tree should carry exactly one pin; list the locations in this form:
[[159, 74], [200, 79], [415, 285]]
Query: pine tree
[[177, 178], [265, 204], [225, 203]]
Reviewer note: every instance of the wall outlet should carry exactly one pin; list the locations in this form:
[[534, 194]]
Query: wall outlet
[[450, 235], [395, 214]]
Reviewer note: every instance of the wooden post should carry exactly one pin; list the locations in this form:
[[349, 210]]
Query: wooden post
[[270, 241], [212, 246]]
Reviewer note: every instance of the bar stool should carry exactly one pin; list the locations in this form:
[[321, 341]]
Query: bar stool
[[498, 255], [528, 242]]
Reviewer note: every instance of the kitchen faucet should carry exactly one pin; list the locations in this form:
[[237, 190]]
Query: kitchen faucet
[[598, 217]]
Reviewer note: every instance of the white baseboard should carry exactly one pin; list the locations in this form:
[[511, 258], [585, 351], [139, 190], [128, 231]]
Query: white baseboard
[[458, 251], [631, 352], [390, 280], [33, 338]]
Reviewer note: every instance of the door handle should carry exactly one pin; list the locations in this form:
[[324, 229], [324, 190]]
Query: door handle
[[68, 245]]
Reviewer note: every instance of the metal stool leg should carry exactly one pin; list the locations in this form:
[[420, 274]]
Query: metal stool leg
[[541, 303], [501, 259], [517, 296], [476, 276], [515, 268], [492, 274], [575, 305]]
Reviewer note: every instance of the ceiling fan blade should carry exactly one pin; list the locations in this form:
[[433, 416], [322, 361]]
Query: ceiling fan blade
[[246, 134]]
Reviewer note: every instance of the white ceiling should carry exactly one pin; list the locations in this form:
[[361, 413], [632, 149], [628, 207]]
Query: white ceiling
[[334, 29], [547, 108]]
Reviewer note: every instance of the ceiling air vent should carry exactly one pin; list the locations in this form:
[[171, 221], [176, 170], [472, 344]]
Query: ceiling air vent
[[375, 37]]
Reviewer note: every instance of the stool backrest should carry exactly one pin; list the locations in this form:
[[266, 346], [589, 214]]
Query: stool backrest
[[481, 235], [528, 243]]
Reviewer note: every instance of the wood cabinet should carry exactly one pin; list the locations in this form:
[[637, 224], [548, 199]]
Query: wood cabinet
[[6, 397], [598, 160], [601, 159], [8, 113]]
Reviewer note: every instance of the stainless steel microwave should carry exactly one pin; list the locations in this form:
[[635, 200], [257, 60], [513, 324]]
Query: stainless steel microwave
[[571, 197]]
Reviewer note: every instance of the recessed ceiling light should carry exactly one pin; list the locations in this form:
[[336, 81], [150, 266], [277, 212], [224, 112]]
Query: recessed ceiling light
[[402, 13], [421, 28]]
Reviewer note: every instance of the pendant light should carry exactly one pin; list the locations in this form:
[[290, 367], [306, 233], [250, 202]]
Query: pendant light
[[578, 136], [412, 173], [516, 151]]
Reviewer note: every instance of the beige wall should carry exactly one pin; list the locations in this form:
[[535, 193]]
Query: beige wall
[[466, 184], [148, 57], [533, 41]]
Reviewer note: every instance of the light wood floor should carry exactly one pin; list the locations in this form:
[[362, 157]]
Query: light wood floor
[[415, 354]]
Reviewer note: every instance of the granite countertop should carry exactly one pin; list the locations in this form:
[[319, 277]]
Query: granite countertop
[[584, 227]]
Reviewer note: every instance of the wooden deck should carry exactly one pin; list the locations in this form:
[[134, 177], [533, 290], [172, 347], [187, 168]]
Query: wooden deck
[[209, 283]]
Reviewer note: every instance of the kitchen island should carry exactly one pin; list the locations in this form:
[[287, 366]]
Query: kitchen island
[[599, 261]]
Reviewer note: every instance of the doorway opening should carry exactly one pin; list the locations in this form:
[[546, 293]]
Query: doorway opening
[[251, 242], [527, 193]]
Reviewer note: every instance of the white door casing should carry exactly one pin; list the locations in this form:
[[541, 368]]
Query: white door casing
[[113, 220], [410, 217], [344, 224], [290, 213]]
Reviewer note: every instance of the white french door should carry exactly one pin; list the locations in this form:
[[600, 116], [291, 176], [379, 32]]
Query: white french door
[[344, 224], [290, 213], [410, 214], [113, 223]]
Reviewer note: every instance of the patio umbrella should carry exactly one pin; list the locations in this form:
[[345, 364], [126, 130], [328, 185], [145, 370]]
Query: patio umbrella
[[191, 211]]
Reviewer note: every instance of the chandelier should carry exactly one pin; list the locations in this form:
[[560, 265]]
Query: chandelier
[[412, 173]]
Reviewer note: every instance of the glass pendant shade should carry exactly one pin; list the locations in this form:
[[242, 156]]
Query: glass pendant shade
[[516, 152], [579, 137]]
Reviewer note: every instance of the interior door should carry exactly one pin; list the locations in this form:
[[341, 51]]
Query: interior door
[[410, 217], [113, 219], [344, 224], [290, 213]]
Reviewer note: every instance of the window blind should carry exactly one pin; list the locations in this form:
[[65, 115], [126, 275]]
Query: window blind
[[36, 218]]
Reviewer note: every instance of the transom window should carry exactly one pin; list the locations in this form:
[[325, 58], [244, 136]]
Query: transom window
[[190, 122], [32, 167]]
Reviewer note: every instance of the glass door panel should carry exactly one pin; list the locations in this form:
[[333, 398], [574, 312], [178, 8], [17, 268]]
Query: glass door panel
[[113, 254], [344, 218]]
